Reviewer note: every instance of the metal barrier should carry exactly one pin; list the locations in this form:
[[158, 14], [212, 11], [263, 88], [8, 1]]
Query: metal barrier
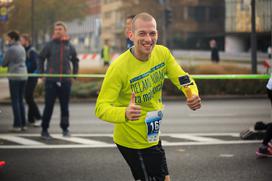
[[199, 77]]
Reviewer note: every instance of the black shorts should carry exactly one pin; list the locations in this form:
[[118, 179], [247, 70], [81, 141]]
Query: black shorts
[[147, 164], [269, 93]]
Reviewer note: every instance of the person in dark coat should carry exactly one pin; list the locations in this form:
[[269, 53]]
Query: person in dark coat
[[214, 52], [34, 115], [59, 54]]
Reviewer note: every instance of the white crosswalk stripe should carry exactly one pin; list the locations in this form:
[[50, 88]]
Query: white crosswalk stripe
[[33, 141], [196, 138], [79, 140], [20, 140]]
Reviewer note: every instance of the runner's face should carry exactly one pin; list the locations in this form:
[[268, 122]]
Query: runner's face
[[59, 31], [23, 41], [144, 37]]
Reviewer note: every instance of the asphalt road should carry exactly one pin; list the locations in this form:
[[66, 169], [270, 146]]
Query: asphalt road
[[200, 145]]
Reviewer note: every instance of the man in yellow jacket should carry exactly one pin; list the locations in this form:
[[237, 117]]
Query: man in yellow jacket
[[105, 53], [130, 97]]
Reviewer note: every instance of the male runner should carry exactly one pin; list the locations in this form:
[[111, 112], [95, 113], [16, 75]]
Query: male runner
[[130, 98]]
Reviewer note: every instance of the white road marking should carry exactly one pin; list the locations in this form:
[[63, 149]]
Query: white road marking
[[82, 141], [213, 115], [20, 140], [195, 138], [181, 150], [226, 155], [26, 142]]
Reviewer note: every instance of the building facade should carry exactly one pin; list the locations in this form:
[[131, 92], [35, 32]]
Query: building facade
[[193, 23], [85, 34], [112, 23], [238, 25]]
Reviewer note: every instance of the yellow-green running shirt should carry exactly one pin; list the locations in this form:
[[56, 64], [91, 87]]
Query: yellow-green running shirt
[[128, 74]]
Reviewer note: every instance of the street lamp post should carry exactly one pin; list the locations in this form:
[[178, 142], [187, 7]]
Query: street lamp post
[[253, 38], [33, 22]]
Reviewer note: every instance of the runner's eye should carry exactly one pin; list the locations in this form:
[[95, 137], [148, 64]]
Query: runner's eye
[[142, 34], [152, 34]]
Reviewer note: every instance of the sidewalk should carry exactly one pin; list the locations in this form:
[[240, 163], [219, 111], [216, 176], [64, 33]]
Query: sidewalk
[[4, 96], [4, 92]]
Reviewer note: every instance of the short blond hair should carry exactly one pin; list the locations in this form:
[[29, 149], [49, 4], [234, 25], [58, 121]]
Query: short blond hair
[[143, 16], [61, 23]]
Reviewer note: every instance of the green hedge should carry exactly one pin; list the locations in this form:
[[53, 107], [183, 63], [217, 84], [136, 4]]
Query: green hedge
[[206, 87], [222, 87], [85, 88]]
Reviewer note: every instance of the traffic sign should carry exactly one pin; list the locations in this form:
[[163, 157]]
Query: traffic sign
[[3, 13]]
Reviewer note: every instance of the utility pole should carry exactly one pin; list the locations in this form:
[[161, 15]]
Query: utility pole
[[167, 18], [164, 5], [253, 38], [33, 36]]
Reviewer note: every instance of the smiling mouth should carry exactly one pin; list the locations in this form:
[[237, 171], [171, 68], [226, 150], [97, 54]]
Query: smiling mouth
[[147, 45]]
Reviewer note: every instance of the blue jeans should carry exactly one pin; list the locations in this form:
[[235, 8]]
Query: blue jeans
[[53, 90], [33, 110], [17, 89]]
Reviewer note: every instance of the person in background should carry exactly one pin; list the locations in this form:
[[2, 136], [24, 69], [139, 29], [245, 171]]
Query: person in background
[[34, 115], [131, 99], [1, 57], [127, 31], [265, 150], [214, 51], [14, 59], [105, 53], [269, 51], [59, 54], [2, 69]]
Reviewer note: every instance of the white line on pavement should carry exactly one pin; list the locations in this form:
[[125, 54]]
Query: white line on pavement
[[113, 145], [226, 155], [20, 140], [26, 142], [80, 140], [195, 138]]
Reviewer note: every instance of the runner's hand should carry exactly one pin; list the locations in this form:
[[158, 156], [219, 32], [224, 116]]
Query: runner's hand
[[133, 111], [194, 102]]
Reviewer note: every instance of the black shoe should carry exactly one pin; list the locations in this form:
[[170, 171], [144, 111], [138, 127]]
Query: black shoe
[[66, 133], [45, 135]]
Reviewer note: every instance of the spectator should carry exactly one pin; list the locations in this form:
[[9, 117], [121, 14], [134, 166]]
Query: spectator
[[269, 51], [14, 59], [214, 51], [130, 98], [129, 43], [34, 115], [1, 57], [105, 53], [58, 54]]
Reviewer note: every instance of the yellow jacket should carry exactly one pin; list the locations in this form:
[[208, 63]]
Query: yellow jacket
[[126, 75]]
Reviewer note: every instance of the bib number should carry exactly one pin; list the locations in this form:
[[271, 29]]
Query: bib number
[[153, 121]]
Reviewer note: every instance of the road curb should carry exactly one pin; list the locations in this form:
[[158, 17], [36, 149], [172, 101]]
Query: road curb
[[6, 101]]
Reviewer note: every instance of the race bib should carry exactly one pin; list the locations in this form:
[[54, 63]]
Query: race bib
[[153, 121]]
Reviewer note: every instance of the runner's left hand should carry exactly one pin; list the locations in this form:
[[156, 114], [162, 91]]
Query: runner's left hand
[[194, 102]]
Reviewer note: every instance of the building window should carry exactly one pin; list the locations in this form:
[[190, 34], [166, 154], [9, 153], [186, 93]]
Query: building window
[[197, 13], [185, 13]]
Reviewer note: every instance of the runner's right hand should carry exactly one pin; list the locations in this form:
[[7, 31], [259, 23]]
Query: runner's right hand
[[133, 111]]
